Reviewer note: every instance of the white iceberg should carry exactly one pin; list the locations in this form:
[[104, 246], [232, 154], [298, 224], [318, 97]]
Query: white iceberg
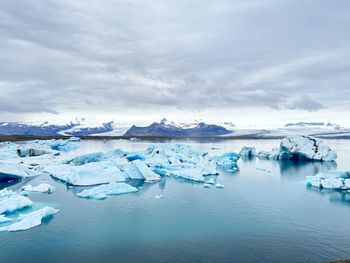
[[11, 171], [139, 170], [248, 152], [330, 180], [33, 219], [14, 202], [298, 147], [87, 174], [272, 155], [105, 190], [41, 188]]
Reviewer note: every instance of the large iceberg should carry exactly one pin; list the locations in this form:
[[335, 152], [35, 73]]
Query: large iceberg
[[105, 190], [33, 219], [331, 180], [93, 173], [298, 147], [41, 188], [14, 202], [248, 152], [11, 171], [64, 145]]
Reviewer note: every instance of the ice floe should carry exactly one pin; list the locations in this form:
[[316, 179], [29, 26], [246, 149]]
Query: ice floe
[[105, 190], [41, 188], [12, 171], [330, 180], [30, 220], [139, 170], [228, 161], [13, 202]]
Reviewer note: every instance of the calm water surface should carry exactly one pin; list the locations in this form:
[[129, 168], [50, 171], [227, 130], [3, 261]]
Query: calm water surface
[[264, 214]]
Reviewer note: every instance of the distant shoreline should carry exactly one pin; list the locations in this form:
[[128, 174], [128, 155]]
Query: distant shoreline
[[6, 138]]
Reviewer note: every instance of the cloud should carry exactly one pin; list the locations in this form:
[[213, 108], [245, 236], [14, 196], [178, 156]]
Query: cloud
[[114, 56]]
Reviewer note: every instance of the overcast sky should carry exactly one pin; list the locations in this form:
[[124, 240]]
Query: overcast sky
[[248, 61]]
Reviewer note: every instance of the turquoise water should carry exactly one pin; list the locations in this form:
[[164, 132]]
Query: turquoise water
[[264, 214]]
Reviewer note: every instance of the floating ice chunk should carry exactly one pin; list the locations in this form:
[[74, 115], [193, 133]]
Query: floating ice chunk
[[42, 188], [33, 219], [64, 145], [273, 155], [210, 181], [248, 152], [87, 174], [139, 170], [330, 180], [228, 161], [30, 151], [206, 185], [11, 171], [105, 190], [298, 147], [4, 219], [158, 197], [221, 186], [14, 202]]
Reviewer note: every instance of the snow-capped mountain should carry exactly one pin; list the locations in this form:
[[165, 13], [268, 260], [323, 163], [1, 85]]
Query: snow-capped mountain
[[166, 129]]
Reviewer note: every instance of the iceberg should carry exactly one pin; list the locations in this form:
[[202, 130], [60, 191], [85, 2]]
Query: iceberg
[[248, 152], [132, 156], [330, 180], [30, 151], [105, 190], [87, 158], [228, 161], [10, 171], [87, 174], [272, 155], [33, 219], [14, 202], [4, 219], [41, 188], [298, 147], [70, 144], [139, 170]]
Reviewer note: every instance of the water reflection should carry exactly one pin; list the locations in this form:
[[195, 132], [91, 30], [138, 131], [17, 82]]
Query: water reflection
[[334, 196], [302, 169]]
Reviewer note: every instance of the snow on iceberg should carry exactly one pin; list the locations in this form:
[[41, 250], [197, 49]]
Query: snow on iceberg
[[139, 170], [4, 219], [14, 202], [41, 188], [298, 147], [248, 152], [11, 171], [87, 174], [33, 219], [105, 190], [330, 180]]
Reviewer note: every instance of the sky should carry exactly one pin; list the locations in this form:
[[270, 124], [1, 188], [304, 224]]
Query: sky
[[251, 62]]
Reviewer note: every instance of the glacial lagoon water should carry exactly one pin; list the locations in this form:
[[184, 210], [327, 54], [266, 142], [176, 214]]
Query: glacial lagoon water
[[265, 213]]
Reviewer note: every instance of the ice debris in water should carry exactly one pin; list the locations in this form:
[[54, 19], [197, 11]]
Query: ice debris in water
[[42, 188], [248, 152], [158, 197], [330, 180], [221, 186], [13, 202], [105, 190], [30, 220]]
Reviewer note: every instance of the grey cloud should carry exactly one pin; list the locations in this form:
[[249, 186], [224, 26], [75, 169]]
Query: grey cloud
[[117, 55]]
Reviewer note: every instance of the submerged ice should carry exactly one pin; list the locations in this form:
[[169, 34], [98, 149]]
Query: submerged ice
[[105, 190]]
